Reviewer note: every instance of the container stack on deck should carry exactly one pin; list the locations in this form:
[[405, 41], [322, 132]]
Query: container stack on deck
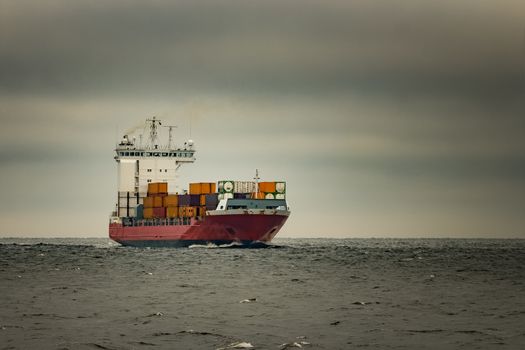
[[160, 204], [247, 189], [202, 196]]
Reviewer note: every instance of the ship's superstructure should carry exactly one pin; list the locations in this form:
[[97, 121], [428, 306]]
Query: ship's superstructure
[[154, 210], [144, 161]]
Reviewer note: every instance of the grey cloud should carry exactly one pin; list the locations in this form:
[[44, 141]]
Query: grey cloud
[[264, 47]]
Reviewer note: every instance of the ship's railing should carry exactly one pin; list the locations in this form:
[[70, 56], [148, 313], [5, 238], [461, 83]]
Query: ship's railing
[[132, 222]]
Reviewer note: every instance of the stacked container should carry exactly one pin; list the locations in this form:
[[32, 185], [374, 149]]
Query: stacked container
[[248, 189], [154, 202], [201, 197], [272, 190], [127, 203]]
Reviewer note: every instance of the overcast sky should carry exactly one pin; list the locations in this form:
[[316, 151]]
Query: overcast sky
[[386, 118]]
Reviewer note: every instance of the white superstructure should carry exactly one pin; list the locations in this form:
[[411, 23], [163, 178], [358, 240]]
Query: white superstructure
[[147, 160]]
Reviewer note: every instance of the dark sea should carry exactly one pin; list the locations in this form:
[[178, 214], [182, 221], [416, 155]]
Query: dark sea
[[300, 293]]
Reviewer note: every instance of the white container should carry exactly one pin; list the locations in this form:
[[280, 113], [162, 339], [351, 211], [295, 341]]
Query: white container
[[225, 196], [225, 186], [280, 187], [280, 196], [123, 212], [269, 196]]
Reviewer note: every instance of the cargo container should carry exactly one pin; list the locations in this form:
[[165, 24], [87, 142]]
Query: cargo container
[[130, 199], [139, 212], [159, 212], [184, 199], [153, 188], [202, 211], [212, 200], [157, 202], [148, 213], [225, 196], [127, 212], [148, 202], [172, 212], [202, 187], [187, 212], [280, 196], [163, 187], [266, 186], [280, 187], [195, 200], [171, 200], [195, 188], [202, 200], [225, 186], [269, 195]]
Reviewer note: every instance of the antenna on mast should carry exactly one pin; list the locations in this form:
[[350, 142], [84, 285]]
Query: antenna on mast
[[256, 178], [170, 137], [153, 130]]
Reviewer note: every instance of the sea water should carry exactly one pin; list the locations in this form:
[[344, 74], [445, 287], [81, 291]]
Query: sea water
[[300, 293]]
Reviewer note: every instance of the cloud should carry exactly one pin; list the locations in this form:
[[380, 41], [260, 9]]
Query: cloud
[[291, 46]]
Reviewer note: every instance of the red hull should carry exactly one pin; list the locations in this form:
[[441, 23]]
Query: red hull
[[242, 228]]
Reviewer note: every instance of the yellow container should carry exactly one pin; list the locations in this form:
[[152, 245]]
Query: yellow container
[[148, 202], [195, 188], [172, 212], [153, 188], [163, 187], [205, 187], [266, 186], [202, 187], [171, 201], [258, 195], [148, 213], [157, 202]]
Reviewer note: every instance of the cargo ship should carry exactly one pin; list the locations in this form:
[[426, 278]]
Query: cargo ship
[[154, 210]]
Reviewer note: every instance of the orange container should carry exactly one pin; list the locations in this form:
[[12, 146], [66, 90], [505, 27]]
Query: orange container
[[187, 212], [162, 187], [205, 187], [171, 201], [202, 211], [258, 195], [157, 202], [172, 212], [195, 188], [213, 187], [148, 202], [203, 199], [153, 188], [266, 186], [148, 213]]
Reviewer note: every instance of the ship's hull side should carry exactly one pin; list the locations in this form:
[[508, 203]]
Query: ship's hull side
[[242, 229]]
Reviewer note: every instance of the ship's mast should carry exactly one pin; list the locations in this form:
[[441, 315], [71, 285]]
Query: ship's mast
[[153, 130], [256, 178]]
